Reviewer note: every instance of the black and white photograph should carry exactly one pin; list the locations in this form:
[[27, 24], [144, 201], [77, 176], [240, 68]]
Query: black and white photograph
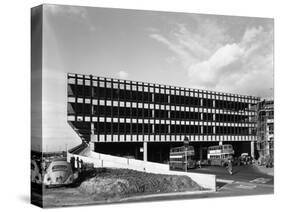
[[143, 105]]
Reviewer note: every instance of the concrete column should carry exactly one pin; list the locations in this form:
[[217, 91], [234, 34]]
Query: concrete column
[[92, 146], [92, 132], [253, 149], [220, 141], [92, 141], [145, 151]]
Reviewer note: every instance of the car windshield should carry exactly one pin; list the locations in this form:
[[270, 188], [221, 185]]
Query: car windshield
[[59, 168]]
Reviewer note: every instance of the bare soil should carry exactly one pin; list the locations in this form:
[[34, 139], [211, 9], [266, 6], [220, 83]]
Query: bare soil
[[111, 185]]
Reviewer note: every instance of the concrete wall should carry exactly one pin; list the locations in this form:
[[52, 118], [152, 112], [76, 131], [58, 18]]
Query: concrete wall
[[102, 160]]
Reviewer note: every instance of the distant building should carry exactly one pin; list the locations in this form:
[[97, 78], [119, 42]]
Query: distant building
[[144, 120], [265, 129]]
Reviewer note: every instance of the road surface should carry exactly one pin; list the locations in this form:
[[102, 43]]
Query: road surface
[[245, 180]]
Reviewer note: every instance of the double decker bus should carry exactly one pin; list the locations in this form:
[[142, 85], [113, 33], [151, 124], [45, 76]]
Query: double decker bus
[[182, 158], [219, 155]]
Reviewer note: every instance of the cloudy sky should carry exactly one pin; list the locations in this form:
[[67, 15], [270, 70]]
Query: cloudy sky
[[222, 53]]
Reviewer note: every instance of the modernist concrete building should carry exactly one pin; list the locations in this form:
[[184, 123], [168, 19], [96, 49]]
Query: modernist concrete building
[[265, 129], [145, 120]]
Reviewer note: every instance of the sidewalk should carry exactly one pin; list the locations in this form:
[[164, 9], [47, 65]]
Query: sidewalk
[[263, 169], [170, 194]]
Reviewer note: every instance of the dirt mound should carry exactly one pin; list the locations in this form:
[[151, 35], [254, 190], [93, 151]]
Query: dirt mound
[[117, 183], [104, 187]]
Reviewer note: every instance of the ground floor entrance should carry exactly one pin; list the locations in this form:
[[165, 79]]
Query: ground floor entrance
[[201, 148], [159, 151], [156, 151]]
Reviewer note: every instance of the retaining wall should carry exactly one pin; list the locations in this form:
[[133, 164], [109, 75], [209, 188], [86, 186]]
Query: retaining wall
[[102, 160]]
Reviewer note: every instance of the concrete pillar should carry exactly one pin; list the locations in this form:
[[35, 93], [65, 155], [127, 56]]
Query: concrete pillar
[[253, 149], [145, 151], [220, 141], [92, 146], [92, 142]]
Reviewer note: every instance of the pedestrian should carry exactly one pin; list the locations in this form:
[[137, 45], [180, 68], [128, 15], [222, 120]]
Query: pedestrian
[[81, 164], [229, 166], [199, 164], [72, 163], [239, 161], [78, 164]]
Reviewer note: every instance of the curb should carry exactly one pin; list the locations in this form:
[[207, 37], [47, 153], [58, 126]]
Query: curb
[[224, 181], [167, 195]]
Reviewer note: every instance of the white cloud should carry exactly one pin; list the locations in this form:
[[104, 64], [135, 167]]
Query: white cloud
[[215, 71], [193, 45], [213, 60], [250, 34], [181, 51], [207, 72], [122, 75], [173, 47]]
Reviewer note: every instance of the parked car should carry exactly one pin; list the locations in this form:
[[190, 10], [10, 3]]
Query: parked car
[[59, 172], [269, 162], [36, 176], [245, 159]]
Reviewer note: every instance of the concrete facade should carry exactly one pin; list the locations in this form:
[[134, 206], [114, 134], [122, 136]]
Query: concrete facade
[[144, 120]]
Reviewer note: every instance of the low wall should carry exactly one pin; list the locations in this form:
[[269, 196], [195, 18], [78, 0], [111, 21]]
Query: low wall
[[140, 165], [205, 180], [102, 160]]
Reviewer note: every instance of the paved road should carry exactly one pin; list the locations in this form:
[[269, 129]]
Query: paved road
[[246, 180], [240, 173]]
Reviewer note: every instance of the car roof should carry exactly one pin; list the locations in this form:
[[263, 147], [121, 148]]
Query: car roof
[[59, 162]]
